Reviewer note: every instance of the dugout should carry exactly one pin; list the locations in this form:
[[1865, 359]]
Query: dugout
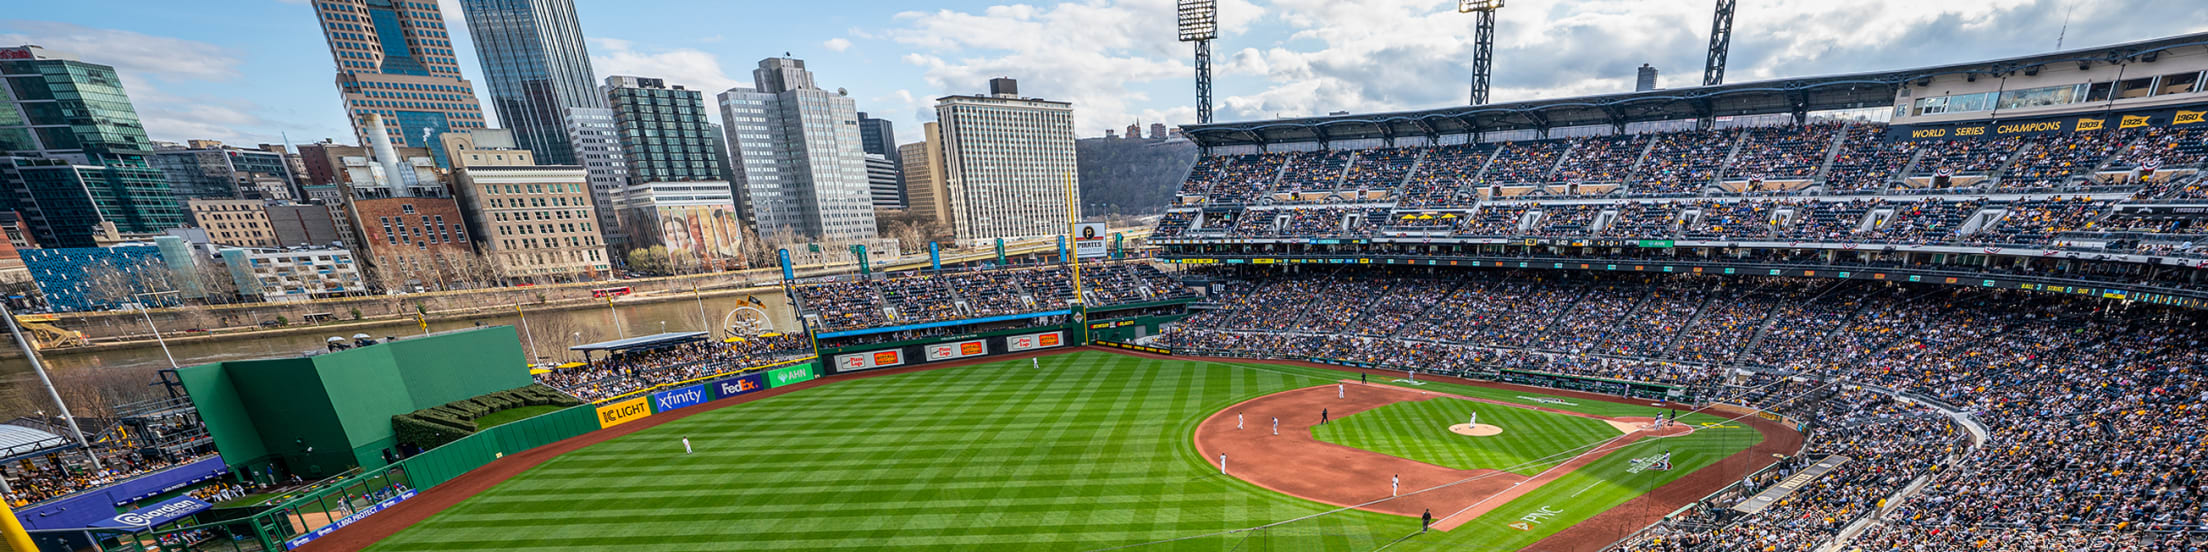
[[322, 414]]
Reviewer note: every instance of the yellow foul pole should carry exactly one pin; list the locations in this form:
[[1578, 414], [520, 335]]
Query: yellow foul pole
[[12, 531], [1073, 206]]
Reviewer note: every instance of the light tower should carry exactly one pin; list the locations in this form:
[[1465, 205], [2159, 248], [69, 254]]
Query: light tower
[[1200, 24], [1483, 44], [1721, 39]]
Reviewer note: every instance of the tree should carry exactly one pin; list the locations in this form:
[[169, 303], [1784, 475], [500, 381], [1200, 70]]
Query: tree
[[650, 260]]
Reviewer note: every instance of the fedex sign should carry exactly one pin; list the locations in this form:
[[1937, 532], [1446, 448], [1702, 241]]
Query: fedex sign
[[739, 385]]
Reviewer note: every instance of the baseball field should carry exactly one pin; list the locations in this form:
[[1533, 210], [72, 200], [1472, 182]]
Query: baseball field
[[1097, 450]]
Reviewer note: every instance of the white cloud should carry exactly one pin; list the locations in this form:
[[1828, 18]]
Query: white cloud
[[150, 66], [837, 44], [128, 51], [1385, 55], [1098, 54], [691, 68]]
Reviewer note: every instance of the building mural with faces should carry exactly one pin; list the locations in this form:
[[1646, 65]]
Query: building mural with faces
[[711, 233]]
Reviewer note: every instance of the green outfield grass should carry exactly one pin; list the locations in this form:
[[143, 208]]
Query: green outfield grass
[[1092, 451], [1531, 441]]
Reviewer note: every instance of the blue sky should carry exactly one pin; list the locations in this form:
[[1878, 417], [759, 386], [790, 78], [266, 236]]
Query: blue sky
[[249, 71]]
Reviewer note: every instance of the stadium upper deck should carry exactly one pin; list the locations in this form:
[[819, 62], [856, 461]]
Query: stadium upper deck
[[2089, 155]]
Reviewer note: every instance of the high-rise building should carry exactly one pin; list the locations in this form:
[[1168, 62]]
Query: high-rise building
[[696, 221], [537, 68], [1645, 80], [923, 172], [221, 172], [533, 222], [234, 222], [395, 58], [1008, 163], [73, 154], [881, 182], [662, 131], [596, 141], [1157, 131], [879, 137], [801, 161]]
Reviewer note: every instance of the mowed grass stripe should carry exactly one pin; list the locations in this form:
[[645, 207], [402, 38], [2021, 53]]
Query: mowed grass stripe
[[1089, 451], [1532, 440]]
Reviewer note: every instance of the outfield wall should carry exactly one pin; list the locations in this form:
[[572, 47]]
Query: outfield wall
[[320, 415]]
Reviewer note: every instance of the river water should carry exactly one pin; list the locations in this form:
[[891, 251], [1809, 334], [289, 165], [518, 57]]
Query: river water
[[128, 373]]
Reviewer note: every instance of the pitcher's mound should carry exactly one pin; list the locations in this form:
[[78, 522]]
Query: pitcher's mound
[[1481, 430]]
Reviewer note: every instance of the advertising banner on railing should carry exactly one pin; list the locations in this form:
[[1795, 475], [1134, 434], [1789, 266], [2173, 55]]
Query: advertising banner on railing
[[962, 349], [341, 523], [869, 360], [786, 376], [738, 385], [677, 398], [1031, 342], [163, 512], [624, 412]]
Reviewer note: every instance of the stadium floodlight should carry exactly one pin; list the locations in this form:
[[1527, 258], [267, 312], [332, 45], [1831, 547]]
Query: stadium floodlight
[[1199, 24], [1483, 44], [1469, 6], [1199, 20]]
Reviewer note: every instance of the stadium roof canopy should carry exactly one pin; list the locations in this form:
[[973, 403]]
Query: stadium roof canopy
[[17, 441], [653, 341], [1792, 95]]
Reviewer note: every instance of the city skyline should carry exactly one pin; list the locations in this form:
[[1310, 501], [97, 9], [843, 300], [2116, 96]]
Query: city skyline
[[250, 75]]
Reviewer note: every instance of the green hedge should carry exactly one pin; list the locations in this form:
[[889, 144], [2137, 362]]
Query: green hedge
[[432, 427]]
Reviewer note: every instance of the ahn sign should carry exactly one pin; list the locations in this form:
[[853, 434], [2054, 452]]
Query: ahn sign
[[677, 398]]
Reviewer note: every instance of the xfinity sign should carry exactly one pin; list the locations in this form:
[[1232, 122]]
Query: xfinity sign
[[677, 398]]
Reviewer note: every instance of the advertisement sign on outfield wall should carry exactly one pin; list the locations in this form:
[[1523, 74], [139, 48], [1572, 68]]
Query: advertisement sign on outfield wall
[[962, 349], [677, 398], [624, 412], [1031, 342], [795, 374], [869, 360], [738, 385]]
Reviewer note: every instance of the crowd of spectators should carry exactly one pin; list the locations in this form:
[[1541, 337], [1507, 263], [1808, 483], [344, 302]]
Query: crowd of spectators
[[61, 474], [1867, 161], [1241, 179], [1965, 156], [1380, 169], [1782, 152], [1524, 162], [1683, 162], [1445, 175], [1602, 159], [2056, 158], [2164, 148], [628, 372], [844, 303], [2095, 417], [1314, 170]]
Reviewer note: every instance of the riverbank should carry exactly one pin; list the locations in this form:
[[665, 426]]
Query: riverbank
[[433, 316]]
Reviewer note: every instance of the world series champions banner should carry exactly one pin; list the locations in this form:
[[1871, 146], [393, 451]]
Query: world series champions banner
[[2180, 117]]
